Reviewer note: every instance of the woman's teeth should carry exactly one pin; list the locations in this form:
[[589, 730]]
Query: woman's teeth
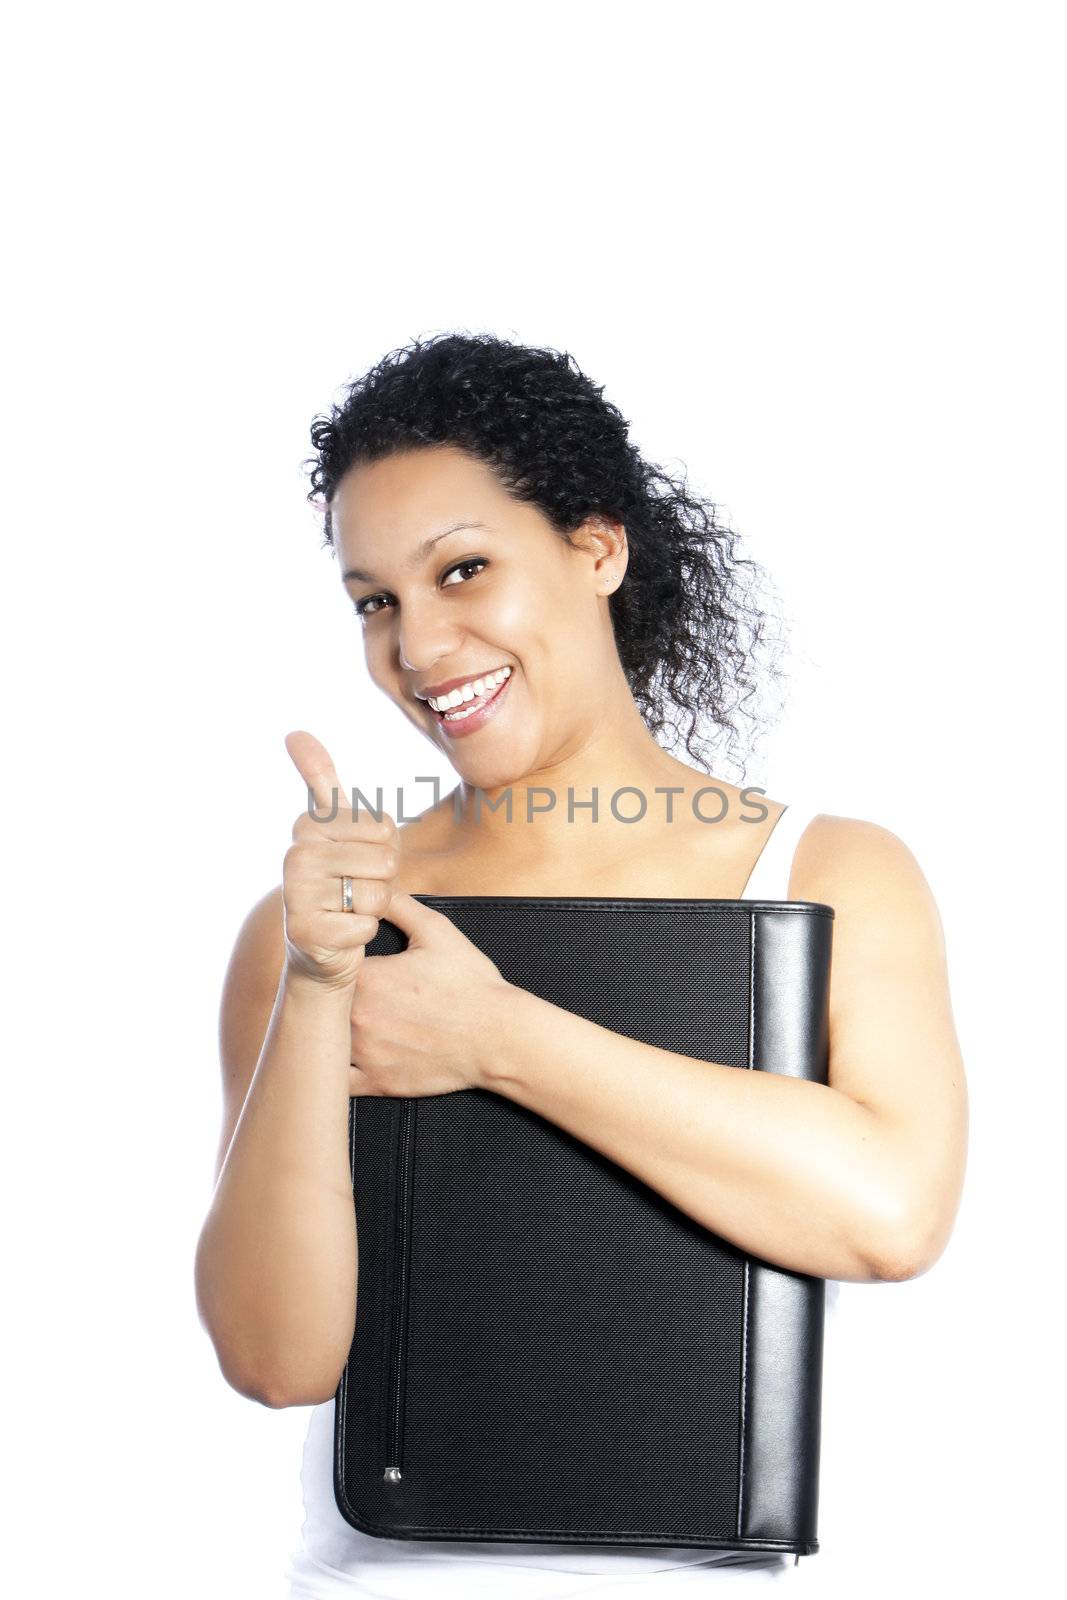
[[478, 690]]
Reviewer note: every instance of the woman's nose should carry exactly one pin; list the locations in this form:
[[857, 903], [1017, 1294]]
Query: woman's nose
[[420, 652], [424, 634]]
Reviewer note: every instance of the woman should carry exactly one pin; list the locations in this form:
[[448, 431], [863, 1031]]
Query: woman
[[540, 602]]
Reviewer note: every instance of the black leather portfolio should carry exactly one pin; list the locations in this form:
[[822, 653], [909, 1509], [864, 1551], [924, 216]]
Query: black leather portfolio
[[545, 1348]]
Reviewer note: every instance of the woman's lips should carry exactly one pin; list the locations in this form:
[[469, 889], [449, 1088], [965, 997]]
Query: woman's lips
[[475, 719]]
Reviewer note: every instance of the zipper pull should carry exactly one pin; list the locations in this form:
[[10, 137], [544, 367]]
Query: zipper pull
[[392, 1474]]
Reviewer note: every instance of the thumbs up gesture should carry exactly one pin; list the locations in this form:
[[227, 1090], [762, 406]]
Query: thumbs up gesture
[[419, 1017], [323, 940]]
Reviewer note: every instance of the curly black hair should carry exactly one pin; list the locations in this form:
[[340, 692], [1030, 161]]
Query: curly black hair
[[690, 623]]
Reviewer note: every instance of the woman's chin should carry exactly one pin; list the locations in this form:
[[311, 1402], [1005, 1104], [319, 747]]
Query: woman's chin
[[489, 774], [495, 765], [488, 758]]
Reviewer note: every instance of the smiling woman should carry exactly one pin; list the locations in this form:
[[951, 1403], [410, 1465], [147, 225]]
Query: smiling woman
[[523, 446], [544, 606]]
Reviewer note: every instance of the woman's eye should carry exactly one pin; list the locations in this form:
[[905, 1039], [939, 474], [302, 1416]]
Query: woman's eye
[[374, 602], [473, 561]]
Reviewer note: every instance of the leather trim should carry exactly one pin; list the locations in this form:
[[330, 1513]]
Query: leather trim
[[782, 1385]]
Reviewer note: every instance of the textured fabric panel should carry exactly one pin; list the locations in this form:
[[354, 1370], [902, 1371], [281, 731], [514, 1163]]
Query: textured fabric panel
[[541, 1274]]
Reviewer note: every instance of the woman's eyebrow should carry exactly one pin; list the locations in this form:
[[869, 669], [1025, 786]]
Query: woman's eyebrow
[[421, 552]]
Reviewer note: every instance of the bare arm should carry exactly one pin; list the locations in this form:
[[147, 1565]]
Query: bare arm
[[858, 1179], [276, 1260]]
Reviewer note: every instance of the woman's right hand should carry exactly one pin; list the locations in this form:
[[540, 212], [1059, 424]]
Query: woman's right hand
[[323, 942]]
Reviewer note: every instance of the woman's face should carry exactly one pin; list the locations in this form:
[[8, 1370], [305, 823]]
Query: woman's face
[[501, 589]]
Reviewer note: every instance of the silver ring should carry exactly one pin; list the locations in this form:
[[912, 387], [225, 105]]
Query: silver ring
[[346, 894]]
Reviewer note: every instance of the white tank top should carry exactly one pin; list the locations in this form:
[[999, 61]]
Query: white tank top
[[335, 1559]]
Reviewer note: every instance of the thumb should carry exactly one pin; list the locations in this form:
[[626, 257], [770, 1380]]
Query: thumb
[[414, 918]]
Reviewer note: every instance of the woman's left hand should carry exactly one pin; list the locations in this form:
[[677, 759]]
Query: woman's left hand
[[418, 1016]]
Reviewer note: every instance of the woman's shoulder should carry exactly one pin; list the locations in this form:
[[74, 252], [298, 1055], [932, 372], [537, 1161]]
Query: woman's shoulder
[[856, 859]]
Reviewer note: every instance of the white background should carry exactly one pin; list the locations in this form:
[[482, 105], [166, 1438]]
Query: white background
[[813, 252]]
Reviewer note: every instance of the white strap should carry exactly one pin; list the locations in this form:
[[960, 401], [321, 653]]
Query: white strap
[[769, 879]]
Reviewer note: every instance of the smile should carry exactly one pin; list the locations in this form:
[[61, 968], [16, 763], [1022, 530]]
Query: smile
[[467, 709], [476, 689]]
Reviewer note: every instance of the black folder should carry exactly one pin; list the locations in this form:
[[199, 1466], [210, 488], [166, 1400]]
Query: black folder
[[547, 1349]]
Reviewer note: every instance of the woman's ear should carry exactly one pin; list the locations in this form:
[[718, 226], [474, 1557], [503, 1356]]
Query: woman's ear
[[605, 543]]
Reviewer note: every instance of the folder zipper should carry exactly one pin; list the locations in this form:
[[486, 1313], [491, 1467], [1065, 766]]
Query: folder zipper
[[400, 1286]]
